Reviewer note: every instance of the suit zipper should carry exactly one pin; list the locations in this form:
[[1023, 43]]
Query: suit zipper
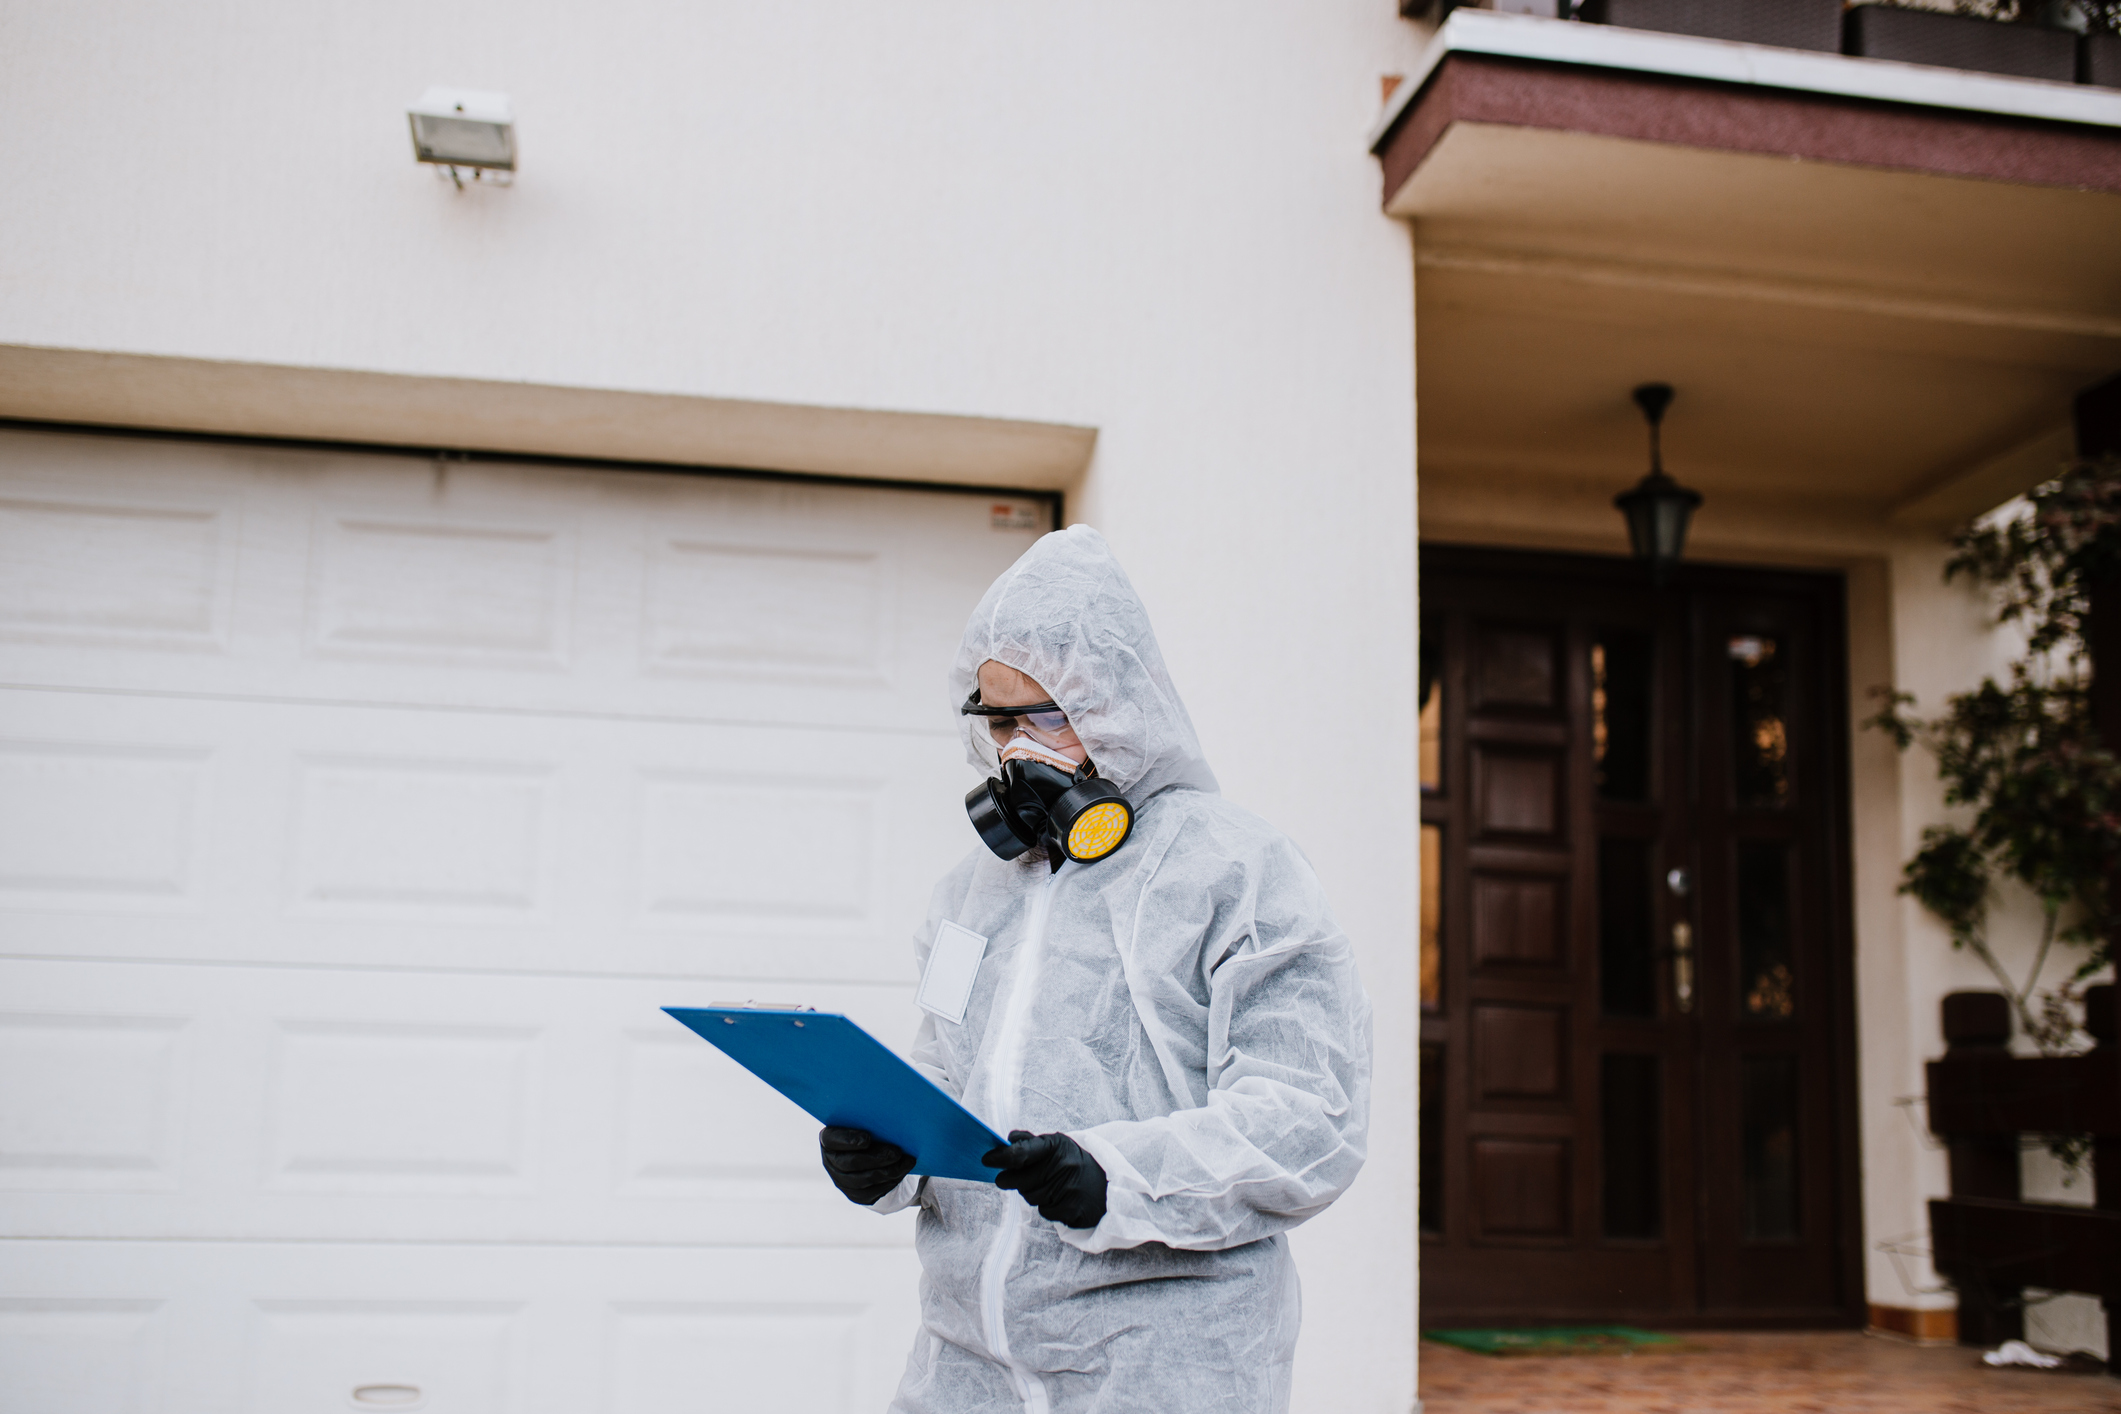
[[1004, 1086]]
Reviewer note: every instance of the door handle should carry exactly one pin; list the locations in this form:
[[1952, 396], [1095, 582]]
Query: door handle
[[1683, 966]]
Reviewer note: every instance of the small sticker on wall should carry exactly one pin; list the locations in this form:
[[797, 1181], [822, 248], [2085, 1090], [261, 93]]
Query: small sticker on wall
[[1016, 515]]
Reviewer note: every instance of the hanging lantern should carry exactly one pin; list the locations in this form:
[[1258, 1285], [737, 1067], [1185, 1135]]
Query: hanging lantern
[[1658, 508]]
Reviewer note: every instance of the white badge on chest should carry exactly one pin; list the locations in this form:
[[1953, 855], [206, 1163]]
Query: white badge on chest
[[953, 965]]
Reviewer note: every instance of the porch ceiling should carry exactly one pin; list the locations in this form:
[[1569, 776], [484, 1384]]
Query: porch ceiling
[[1847, 341]]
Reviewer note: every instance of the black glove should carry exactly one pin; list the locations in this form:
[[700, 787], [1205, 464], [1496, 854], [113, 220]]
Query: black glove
[[1053, 1173], [861, 1165]]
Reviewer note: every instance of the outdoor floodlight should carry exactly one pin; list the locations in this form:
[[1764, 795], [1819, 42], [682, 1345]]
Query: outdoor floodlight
[[1658, 508], [456, 128]]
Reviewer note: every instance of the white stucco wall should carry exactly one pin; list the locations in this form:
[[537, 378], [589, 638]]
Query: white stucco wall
[[1157, 221], [1943, 644]]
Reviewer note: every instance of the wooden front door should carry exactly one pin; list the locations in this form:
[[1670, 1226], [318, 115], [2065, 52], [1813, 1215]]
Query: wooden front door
[[1637, 1043]]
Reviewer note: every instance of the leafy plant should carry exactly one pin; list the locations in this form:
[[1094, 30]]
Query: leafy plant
[[2097, 16], [2045, 791]]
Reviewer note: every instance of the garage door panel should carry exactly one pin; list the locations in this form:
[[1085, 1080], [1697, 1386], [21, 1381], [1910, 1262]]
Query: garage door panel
[[456, 1355], [62, 1355], [345, 577], [666, 1355], [116, 562], [100, 825], [664, 1148], [246, 831], [422, 836], [236, 1102], [723, 847], [358, 814], [93, 1102], [395, 1106], [442, 591], [807, 617], [559, 1330]]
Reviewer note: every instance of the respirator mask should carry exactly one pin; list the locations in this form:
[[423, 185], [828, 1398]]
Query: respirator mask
[[1041, 797]]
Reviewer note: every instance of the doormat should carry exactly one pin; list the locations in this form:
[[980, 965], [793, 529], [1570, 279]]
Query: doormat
[[1553, 1340]]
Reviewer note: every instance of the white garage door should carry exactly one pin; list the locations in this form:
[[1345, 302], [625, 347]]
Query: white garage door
[[357, 814]]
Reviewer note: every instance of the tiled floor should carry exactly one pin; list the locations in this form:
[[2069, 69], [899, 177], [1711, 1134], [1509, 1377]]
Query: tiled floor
[[1819, 1372]]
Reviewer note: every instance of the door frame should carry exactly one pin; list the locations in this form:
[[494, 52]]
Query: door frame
[[1826, 590]]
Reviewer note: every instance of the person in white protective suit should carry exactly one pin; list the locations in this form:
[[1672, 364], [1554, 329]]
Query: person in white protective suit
[[1173, 1035]]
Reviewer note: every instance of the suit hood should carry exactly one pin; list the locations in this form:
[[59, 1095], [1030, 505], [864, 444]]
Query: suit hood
[[1066, 616]]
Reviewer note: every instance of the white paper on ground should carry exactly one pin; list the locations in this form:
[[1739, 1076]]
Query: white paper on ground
[[953, 965]]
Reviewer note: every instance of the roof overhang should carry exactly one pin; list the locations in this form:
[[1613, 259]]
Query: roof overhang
[[1876, 286], [1772, 83]]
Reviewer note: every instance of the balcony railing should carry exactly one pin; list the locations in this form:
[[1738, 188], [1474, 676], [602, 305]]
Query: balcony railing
[[1989, 1243], [1908, 34]]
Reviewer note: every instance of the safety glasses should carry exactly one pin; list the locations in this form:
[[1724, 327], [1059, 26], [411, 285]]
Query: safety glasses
[[1043, 721]]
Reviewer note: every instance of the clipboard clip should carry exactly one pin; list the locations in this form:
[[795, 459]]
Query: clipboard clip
[[761, 1006]]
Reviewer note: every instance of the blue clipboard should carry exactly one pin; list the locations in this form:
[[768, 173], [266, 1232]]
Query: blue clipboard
[[843, 1075]]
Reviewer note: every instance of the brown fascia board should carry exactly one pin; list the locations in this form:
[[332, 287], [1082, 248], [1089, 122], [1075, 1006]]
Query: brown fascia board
[[1482, 88]]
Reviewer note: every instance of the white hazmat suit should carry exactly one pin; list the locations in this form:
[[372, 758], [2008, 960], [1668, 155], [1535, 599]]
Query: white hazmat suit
[[1185, 1008]]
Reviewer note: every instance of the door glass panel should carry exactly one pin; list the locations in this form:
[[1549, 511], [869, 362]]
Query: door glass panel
[[1759, 719], [1631, 1138], [1431, 1204], [1431, 918], [1620, 714], [1768, 1135], [1430, 749], [1627, 958], [1764, 954]]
